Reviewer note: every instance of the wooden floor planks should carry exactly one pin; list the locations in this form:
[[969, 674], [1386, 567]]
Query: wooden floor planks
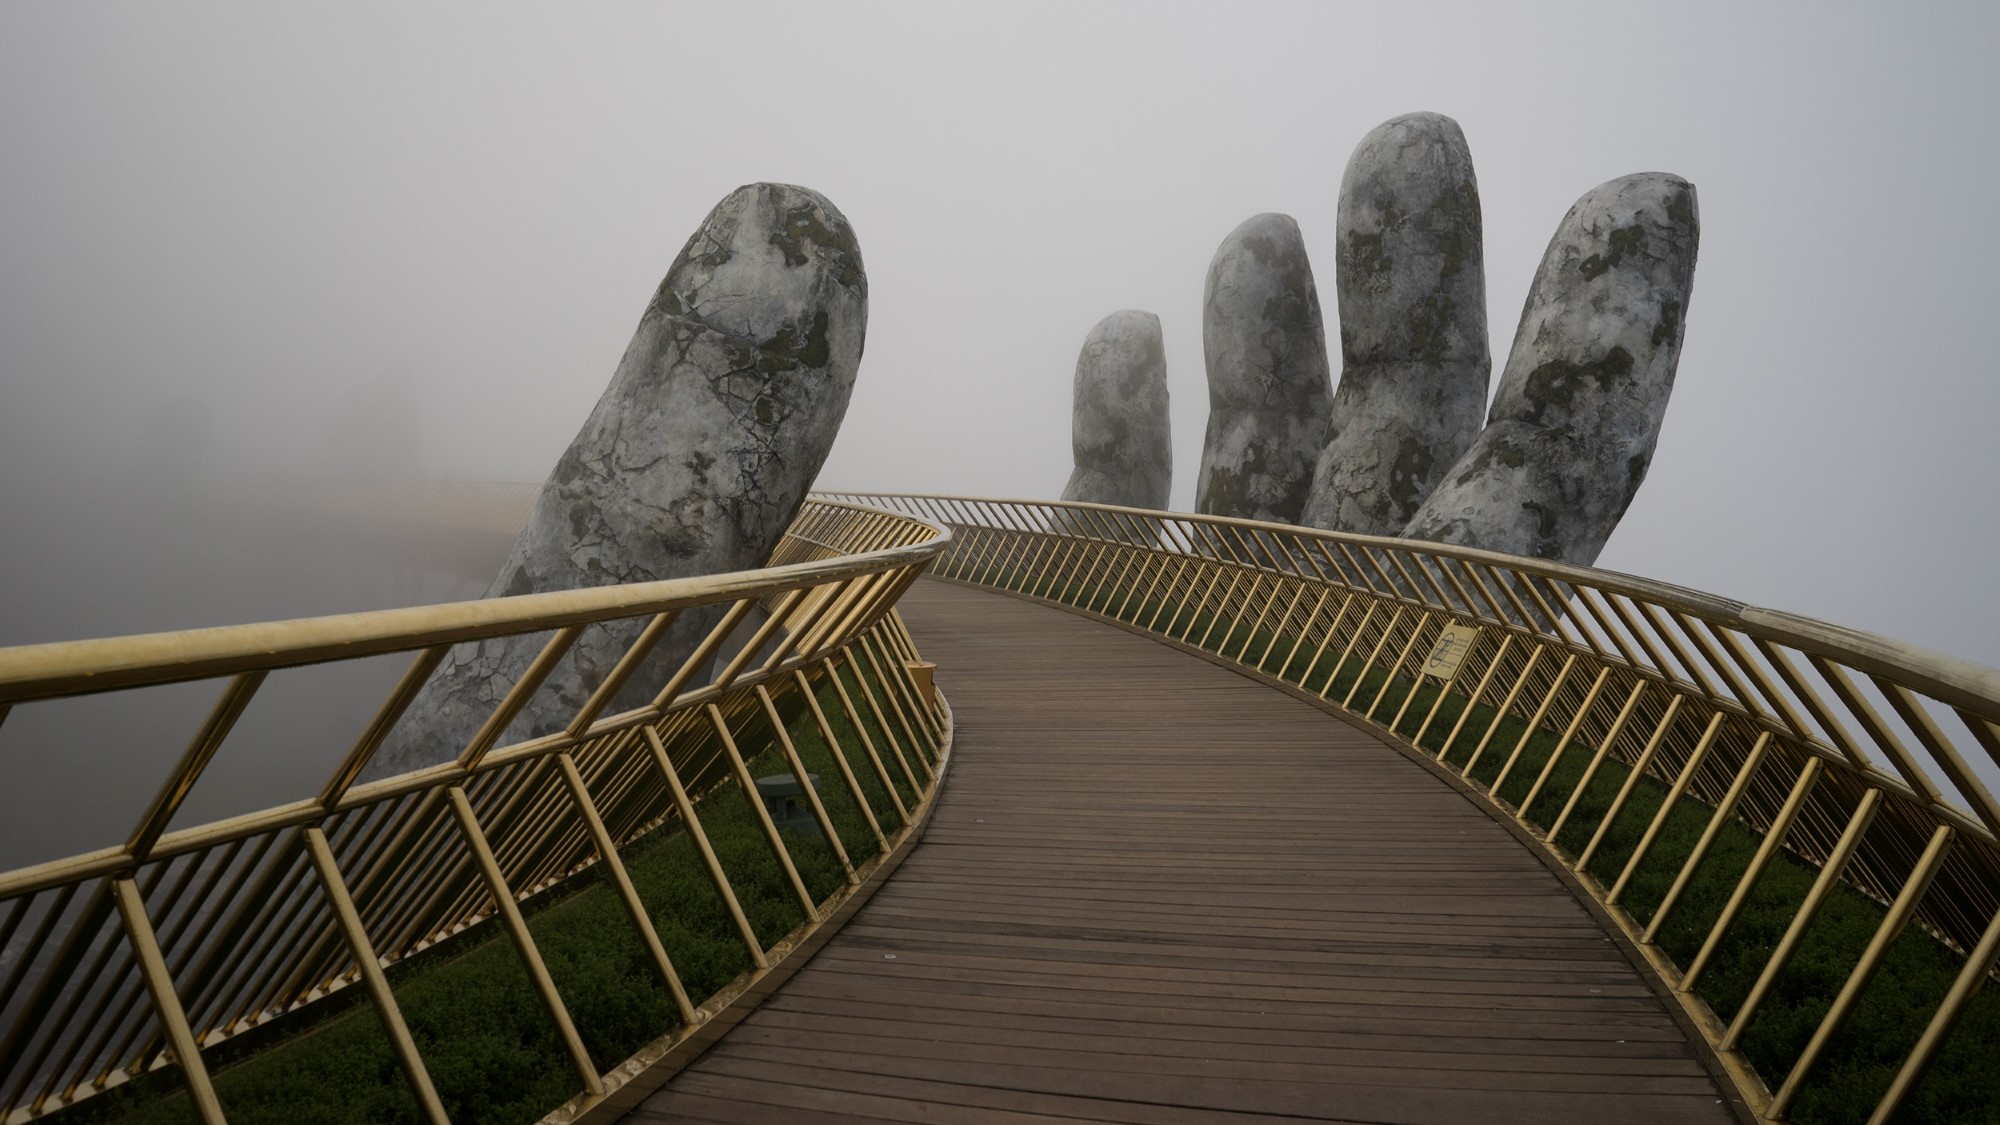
[[1157, 892]]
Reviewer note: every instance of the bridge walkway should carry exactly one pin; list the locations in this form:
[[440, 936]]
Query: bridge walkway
[[1156, 891]]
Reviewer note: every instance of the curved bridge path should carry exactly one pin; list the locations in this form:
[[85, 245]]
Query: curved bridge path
[[1156, 891]]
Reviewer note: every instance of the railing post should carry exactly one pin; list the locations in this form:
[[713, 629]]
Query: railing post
[[804, 777], [167, 1002], [372, 976], [1666, 809], [524, 942], [1864, 971], [868, 744], [1716, 820], [748, 785], [716, 875], [1633, 776], [840, 761], [1774, 838], [1829, 875], [607, 851], [1500, 713]]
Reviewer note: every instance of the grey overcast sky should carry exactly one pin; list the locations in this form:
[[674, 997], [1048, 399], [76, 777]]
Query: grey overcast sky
[[232, 235]]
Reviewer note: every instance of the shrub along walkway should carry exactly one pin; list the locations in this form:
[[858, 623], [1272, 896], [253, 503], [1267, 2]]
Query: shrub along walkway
[[1156, 891]]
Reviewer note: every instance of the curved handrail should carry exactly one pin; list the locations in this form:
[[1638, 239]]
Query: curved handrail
[[1852, 751], [1946, 677], [217, 928]]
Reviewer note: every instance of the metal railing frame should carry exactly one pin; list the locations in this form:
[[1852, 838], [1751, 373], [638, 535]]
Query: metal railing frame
[[1829, 743], [146, 953]]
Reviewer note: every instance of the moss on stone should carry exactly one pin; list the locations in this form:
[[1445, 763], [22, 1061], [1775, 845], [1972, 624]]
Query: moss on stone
[[1623, 241], [1556, 383]]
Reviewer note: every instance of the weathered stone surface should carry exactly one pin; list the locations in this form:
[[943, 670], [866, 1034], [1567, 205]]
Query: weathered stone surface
[[1414, 354], [1268, 383], [693, 462], [1578, 412], [1118, 425]]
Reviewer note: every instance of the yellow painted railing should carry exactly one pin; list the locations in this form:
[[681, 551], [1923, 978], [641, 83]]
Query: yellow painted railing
[[152, 949], [1851, 752]]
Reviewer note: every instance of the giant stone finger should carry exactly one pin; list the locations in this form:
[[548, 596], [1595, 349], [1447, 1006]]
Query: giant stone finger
[[693, 462], [1578, 412], [1118, 426], [1413, 342], [1268, 382]]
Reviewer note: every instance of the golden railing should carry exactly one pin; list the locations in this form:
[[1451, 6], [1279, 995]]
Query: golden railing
[[145, 953], [1850, 751]]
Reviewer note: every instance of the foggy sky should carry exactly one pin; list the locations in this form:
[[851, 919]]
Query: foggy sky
[[234, 239]]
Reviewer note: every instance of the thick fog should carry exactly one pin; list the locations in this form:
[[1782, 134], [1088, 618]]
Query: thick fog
[[246, 244]]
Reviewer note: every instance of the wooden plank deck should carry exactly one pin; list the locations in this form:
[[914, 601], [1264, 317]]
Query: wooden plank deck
[[1156, 891]]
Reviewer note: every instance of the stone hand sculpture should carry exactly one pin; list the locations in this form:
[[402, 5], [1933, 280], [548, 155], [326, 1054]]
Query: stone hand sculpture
[[1268, 382], [1118, 426], [693, 462], [1574, 424]]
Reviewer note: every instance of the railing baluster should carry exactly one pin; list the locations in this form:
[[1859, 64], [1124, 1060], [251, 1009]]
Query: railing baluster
[[896, 752], [1501, 712], [517, 696], [762, 815], [868, 743], [1277, 630], [1471, 701], [1402, 658], [1655, 617], [1353, 638], [1534, 724], [167, 1002], [1596, 761], [386, 1008], [691, 824], [1562, 744], [1829, 876], [1305, 630], [149, 881], [892, 690], [1680, 786], [1319, 650], [621, 879], [48, 989], [1638, 772], [1221, 608], [1864, 971], [524, 942], [405, 693], [1963, 988], [1911, 710], [1717, 819], [703, 653], [1876, 728], [806, 786], [1361, 677], [1774, 838], [193, 761], [840, 762], [1837, 734], [108, 1029]]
